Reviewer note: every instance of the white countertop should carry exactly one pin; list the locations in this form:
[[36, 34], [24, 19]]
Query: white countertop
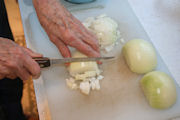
[[161, 21]]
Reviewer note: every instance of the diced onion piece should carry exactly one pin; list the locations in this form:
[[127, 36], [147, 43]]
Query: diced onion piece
[[85, 87], [71, 84]]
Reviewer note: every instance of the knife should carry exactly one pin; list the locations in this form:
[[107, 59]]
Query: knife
[[47, 62]]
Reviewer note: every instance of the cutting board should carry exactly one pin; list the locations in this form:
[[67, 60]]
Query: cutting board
[[120, 97]]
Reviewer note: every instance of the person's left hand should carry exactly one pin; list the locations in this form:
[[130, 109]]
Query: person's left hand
[[64, 29]]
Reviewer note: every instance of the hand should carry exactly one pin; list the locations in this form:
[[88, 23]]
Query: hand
[[16, 61], [63, 29]]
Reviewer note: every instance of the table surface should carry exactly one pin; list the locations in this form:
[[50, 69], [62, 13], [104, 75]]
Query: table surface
[[157, 17]]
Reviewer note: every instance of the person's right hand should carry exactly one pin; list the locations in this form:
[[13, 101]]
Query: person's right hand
[[16, 61]]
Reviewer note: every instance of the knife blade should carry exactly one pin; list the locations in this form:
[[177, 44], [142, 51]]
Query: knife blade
[[47, 62]]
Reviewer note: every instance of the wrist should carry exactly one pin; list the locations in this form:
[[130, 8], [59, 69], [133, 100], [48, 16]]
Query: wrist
[[45, 2]]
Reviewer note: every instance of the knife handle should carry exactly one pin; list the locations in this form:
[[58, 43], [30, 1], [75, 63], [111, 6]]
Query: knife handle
[[43, 61]]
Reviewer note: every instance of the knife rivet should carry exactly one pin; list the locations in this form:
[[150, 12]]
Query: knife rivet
[[41, 65]]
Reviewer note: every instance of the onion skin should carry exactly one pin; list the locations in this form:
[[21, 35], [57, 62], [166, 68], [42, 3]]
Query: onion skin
[[140, 56], [159, 89]]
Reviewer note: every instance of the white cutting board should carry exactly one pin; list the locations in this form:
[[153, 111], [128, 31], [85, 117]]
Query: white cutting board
[[120, 97]]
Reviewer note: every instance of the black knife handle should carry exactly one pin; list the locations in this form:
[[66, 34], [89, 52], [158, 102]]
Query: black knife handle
[[43, 61]]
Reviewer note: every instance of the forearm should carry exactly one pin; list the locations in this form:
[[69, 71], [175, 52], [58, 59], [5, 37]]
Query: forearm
[[48, 6]]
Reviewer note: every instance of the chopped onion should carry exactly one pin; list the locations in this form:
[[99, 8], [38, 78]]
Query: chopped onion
[[83, 70], [105, 28]]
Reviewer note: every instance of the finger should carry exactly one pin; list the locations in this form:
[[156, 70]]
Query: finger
[[87, 50], [88, 37], [31, 53], [64, 50], [31, 66], [7, 72], [23, 73], [99, 62], [92, 42], [83, 47]]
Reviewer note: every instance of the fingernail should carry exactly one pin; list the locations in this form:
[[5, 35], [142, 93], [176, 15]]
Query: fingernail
[[99, 62], [67, 64], [36, 77]]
